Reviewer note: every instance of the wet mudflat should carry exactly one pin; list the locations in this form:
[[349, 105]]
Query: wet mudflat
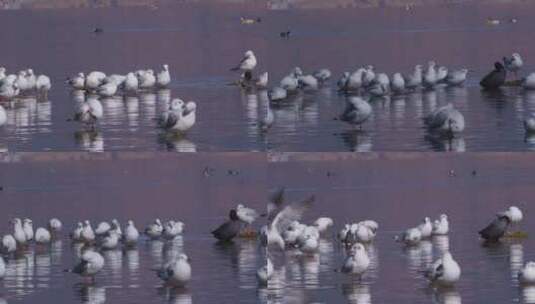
[[201, 42], [140, 187], [398, 190]]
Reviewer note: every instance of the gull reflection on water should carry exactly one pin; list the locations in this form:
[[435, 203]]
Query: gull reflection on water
[[516, 260], [357, 293], [91, 294], [89, 140], [175, 295]]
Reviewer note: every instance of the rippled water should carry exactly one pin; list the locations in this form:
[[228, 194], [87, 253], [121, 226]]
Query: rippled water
[[399, 191], [392, 39], [141, 188]]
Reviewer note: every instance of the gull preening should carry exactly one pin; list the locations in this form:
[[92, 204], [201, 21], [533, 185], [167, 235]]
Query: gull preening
[[357, 262], [513, 64], [441, 226], [91, 263], [180, 117], [248, 62], [176, 272], [445, 119], [24, 82], [444, 271], [357, 111]]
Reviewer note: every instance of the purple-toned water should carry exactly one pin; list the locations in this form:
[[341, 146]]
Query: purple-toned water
[[201, 42]]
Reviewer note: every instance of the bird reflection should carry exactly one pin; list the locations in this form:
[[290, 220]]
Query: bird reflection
[[447, 296], [175, 295], [528, 294], [90, 294], [174, 141], [247, 257], [446, 143], [132, 112], [442, 243], [357, 140], [516, 259], [89, 140], [357, 293]]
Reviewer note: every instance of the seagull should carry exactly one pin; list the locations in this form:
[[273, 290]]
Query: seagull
[[308, 82], [102, 228], [107, 89], [163, 78], [445, 119], [180, 117], [245, 214], [357, 261], [90, 264], [342, 82], [27, 226], [414, 80], [357, 111], [456, 78], [441, 226], [94, 80], [308, 242], [277, 94], [154, 230], [279, 219], [445, 270], [18, 232], [359, 233], [513, 64], [115, 79], [290, 82], [526, 275], [42, 236], [248, 62], [494, 79], [43, 84], [89, 112], [131, 234], [55, 225], [293, 232], [77, 82], [411, 237], [3, 116], [322, 75], [323, 223], [529, 123], [230, 229], [171, 229], [146, 80], [265, 273], [398, 84], [496, 229], [430, 76], [514, 213], [9, 89], [380, 86], [442, 74], [131, 83], [176, 272], [87, 235], [368, 76], [110, 241], [76, 235], [9, 244], [426, 228]]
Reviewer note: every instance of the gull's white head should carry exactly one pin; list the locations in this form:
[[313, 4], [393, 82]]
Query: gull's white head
[[166, 67], [177, 104], [249, 53]]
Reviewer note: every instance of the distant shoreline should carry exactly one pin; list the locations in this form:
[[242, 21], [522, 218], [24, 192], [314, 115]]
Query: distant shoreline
[[259, 4]]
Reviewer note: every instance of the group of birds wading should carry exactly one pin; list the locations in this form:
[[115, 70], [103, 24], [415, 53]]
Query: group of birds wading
[[366, 84], [285, 233]]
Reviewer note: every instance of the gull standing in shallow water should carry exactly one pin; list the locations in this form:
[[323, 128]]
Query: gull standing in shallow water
[[445, 271], [3, 116], [527, 274], [177, 272], [357, 111], [441, 226], [163, 78], [90, 264], [9, 244], [248, 62], [456, 78], [445, 119]]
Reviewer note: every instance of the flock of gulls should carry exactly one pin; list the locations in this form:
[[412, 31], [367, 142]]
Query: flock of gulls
[[285, 233], [360, 86], [365, 84]]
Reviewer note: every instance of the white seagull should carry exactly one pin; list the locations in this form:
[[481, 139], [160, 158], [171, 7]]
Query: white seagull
[[246, 214], [357, 262], [42, 236], [248, 62], [445, 270], [357, 111], [131, 234], [526, 275], [163, 78], [176, 272], [441, 226], [90, 264]]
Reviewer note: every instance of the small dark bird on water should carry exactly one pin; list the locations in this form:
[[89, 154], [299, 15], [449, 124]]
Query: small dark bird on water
[[285, 34], [98, 30], [496, 78], [230, 229], [496, 230]]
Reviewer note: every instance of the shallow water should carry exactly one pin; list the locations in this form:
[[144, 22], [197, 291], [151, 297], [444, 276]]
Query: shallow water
[[398, 190], [200, 51], [138, 187]]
